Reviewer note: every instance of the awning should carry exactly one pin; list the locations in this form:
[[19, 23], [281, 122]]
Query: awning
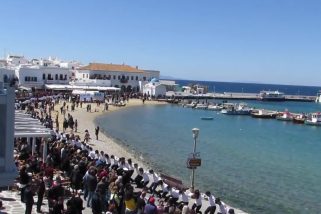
[[80, 87]]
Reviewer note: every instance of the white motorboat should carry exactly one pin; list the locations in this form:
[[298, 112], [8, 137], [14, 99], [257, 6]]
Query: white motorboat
[[313, 119], [271, 96], [201, 106], [237, 109], [190, 105], [214, 107]]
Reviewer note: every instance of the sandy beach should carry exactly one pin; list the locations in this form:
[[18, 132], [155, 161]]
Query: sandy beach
[[86, 122]]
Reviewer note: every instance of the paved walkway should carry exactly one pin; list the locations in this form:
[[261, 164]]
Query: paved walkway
[[13, 205]]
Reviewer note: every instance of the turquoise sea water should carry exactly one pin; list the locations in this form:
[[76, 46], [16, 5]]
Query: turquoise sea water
[[257, 165]]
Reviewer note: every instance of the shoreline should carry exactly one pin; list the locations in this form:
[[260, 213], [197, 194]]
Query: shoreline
[[109, 144]]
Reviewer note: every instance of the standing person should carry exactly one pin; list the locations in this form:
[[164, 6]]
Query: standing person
[[97, 132], [28, 198], [91, 185], [211, 199], [96, 203], [141, 203], [40, 192], [76, 125], [198, 202], [24, 180]]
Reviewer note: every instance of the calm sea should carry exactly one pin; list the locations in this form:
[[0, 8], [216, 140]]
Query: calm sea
[[221, 87], [260, 166]]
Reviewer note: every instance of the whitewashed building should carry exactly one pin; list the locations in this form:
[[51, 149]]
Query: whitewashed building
[[123, 76], [37, 76], [15, 60], [8, 171]]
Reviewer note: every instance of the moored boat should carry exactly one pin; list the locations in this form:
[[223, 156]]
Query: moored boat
[[313, 119], [238, 109], [271, 96], [299, 118], [214, 107], [285, 116], [264, 114], [190, 105], [201, 106]]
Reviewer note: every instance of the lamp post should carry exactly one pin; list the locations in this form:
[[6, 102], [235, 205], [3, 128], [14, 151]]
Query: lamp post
[[195, 135]]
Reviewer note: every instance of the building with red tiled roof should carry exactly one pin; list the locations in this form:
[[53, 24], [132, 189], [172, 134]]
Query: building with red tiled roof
[[126, 77]]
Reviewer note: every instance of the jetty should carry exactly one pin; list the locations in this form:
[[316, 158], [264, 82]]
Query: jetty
[[235, 96]]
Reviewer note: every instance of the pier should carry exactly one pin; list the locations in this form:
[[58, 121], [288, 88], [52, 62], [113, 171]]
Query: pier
[[237, 96]]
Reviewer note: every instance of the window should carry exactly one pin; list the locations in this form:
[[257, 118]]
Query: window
[[56, 77], [83, 76], [61, 76], [144, 78], [127, 77], [44, 76], [87, 75], [132, 77], [65, 76], [114, 77], [136, 78]]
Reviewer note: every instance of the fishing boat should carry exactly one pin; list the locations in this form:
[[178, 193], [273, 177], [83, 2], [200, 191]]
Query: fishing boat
[[271, 96], [238, 109], [285, 116], [299, 118], [264, 114], [207, 118], [313, 119]]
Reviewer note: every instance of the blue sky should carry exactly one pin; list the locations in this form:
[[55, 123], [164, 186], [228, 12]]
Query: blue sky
[[270, 41]]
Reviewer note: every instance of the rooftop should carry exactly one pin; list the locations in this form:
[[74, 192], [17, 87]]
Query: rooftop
[[111, 67]]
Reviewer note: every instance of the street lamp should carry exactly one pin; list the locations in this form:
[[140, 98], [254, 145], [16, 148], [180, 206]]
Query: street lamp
[[195, 135]]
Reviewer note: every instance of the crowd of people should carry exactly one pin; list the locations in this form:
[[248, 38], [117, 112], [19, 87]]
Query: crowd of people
[[74, 175]]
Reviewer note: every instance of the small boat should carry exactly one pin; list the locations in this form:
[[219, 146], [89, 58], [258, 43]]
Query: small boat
[[201, 106], [190, 105], [285, 116], [238, 109], [214, 107], [271, 96], [299, 118], [207, 118], [264, 114], [313, 119]]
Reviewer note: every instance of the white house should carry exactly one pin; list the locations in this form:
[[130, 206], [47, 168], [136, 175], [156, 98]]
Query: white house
[[37, 76], [154, 88], [16, 60], [123, 76], [8, 171]]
